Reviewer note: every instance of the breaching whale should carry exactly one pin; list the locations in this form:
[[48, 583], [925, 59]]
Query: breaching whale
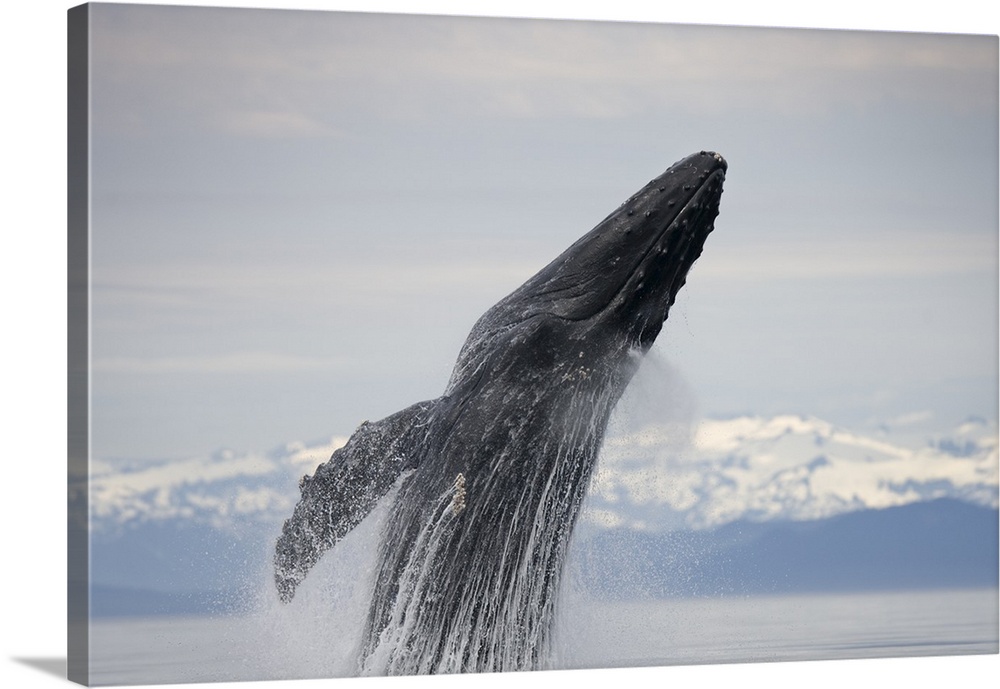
[[491, 475]]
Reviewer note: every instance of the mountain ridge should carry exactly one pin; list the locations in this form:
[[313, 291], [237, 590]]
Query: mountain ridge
[[944, 543], [760, 493], [657, 477]]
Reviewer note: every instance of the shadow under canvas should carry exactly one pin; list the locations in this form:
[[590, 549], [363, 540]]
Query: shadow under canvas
[[50, 666]]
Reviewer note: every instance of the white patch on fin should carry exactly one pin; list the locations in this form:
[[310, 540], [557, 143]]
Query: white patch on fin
[[458, 499]]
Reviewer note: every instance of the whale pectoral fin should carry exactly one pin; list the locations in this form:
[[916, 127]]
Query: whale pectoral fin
[[343, 490]]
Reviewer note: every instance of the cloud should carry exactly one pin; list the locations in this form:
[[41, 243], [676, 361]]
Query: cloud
[[832, 255], [910, 419], [230, 363], [255, 73], [273, 124], [317, 284]]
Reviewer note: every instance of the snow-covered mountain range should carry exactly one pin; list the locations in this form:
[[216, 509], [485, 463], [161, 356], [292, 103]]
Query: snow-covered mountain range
[[659, 478], [785, 468], [724, 505]]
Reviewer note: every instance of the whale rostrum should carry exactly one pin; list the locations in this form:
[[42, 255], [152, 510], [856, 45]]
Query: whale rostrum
[[491, 475]]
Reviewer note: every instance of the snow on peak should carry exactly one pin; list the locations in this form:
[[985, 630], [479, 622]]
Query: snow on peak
[[215, 489], [663, 476], [783, 467]]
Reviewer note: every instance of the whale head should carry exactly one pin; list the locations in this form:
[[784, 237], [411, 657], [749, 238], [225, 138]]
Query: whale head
[[613, 288]]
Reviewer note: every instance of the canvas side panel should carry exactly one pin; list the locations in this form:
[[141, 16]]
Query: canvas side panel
[[78, 302]]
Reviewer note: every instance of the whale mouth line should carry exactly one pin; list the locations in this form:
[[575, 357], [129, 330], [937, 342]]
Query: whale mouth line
[[675, 244], [688, 233]]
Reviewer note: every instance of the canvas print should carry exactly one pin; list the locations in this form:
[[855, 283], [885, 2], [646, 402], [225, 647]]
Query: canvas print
[[410, 344]]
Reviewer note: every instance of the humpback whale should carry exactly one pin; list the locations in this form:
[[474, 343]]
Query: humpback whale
[[489, 477]]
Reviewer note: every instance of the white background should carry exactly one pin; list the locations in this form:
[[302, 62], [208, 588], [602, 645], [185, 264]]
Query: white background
[[32, 267]]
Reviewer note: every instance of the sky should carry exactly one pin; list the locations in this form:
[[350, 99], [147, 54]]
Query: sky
[[298, 216]]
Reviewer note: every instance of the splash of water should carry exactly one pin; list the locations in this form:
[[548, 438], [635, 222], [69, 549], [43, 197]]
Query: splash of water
[[319, 633], [449, 614], [476, 577]]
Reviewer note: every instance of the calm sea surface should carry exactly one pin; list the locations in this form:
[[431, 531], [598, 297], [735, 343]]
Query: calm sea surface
[[288, 643]]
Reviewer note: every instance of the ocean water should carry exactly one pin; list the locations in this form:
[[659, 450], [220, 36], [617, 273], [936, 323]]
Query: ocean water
[[310, 641]]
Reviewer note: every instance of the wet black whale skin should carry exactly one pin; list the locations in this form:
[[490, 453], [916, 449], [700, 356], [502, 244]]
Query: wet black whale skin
[[492, 474]]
